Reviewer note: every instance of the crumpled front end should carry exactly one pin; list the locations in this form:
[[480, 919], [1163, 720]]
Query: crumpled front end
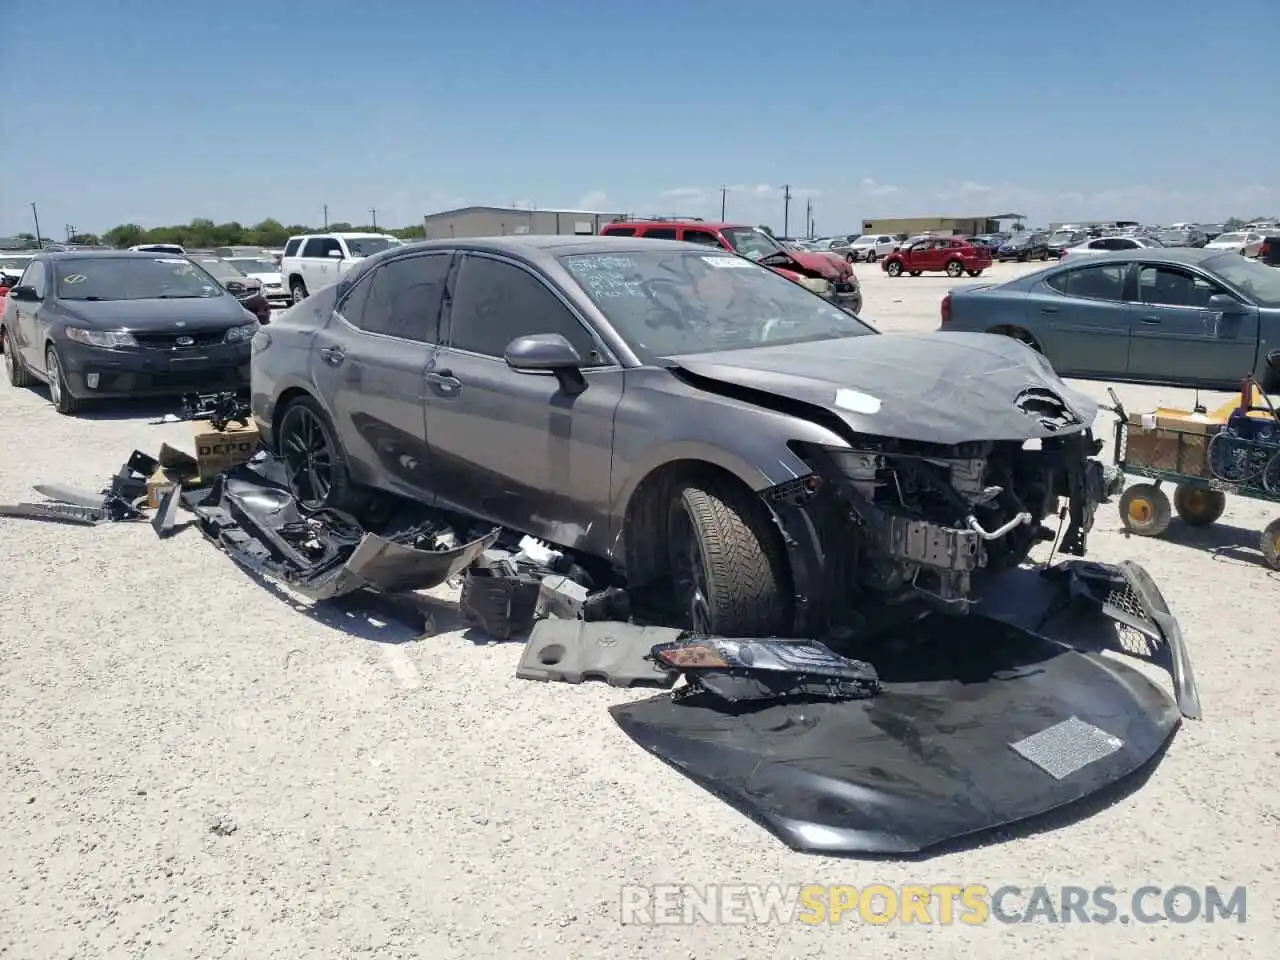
[[898, 520]]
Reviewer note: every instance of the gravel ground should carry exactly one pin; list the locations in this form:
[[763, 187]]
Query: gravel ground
[[197, 766]]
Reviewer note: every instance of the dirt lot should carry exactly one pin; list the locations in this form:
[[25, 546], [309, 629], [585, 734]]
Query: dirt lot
[[197, 767]]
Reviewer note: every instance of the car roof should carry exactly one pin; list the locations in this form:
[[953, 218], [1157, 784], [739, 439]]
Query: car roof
[[535, 246], [1190, 255], [61, 255]]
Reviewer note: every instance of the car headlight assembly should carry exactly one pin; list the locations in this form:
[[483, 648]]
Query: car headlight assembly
[[819, 286], [100, 338], [241, 333]]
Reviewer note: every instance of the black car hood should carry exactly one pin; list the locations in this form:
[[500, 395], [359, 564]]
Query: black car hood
[[197, 313], [942, 388]]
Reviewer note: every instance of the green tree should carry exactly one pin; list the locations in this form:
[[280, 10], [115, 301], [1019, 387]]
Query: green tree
[[1232, 223], [125, 235], [269, 233], [341, 227], [89, 239]]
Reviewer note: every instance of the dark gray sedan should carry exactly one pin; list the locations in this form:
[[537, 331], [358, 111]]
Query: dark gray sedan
[[1178, 317], [101, 324], [678, 416]]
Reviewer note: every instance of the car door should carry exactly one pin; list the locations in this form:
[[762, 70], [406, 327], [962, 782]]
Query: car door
[[319, 270], [29, 333], [514, 447], [1176, 337], [1086, 319], [929, 255], [370, 363]]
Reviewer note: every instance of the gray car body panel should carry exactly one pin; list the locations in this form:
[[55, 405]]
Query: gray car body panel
[[565, 468], [1127, 340]]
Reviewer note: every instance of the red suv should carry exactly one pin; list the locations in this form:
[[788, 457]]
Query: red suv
[[826, 274], [949, 254]]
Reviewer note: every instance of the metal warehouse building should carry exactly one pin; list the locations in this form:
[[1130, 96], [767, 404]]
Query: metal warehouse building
[[504, 221], [966, 226]]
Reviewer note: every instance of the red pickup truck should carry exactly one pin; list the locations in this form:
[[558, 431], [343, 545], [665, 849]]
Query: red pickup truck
[[947, 254]]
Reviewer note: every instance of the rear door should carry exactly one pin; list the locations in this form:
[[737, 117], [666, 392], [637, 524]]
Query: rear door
[[1177, 337], [29, 335], [929, 255], [1086, 318], [319, 269], [370, 362], [513, 447]]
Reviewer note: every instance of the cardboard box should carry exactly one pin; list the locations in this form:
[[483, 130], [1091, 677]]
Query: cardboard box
[[217, 451], [160, 483], [1169, 418], [1184, 452]]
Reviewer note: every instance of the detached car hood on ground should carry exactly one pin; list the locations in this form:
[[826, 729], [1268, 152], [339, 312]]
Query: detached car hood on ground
[[943, 388], [192, 312]]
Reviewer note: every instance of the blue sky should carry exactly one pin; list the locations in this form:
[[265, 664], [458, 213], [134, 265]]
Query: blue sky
[[154, 113]]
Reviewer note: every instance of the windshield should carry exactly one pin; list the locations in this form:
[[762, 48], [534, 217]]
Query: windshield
[[1063, 235], [1260, 283], [222, 270], [254, 264], [665, 304], [1230, 238], [750, 242], [368, 246], [133, 278]]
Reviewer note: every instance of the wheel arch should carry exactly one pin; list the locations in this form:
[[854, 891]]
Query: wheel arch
[[1017, 332], [639, 544]]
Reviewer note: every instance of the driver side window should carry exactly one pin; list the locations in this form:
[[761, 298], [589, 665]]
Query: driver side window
[[495, 302], [33, 277]]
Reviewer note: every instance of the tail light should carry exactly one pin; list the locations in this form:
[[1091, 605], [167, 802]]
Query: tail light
[[1264, 251], [946, 309]]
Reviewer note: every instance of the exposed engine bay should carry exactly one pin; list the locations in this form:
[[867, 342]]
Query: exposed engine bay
[[903, 520]]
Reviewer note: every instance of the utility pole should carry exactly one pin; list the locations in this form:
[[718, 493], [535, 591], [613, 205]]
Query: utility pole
[[35, 215], [723, 193], [786, 210], [373, 217], [808, 217], [326, 216]]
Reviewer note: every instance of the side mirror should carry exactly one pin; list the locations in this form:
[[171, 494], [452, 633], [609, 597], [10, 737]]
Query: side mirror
[[336, 255], [24, 293], [548, 353], [1225, 305]]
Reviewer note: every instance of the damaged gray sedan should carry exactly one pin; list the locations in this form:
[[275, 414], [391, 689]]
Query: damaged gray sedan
[[681, 417]]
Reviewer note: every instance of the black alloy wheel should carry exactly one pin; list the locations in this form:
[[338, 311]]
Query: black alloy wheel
[[310, 456], [689, 572]]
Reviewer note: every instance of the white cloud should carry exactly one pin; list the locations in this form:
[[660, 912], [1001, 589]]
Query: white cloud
[[594, 200], [687, 194], [874, 188]]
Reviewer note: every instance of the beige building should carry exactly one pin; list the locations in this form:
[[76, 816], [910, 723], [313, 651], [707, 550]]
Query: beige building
[[964, 226], [507, 221]]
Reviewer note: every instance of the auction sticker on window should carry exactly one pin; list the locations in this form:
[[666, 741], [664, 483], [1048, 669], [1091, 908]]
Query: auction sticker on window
[[177, 260], [728, 263]]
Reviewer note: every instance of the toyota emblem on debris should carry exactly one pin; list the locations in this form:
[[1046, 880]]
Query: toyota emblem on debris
[[185, 341]]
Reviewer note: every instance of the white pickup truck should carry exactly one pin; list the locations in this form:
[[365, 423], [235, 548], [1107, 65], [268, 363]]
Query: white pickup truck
[[319, 259]]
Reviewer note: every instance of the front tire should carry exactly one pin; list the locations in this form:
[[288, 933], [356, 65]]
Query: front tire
[[297, 291], [1145, 510], [1198, 507], [893, 268], [59, 395], [872, 256], [315, 462], [16, 370], [726, 563]]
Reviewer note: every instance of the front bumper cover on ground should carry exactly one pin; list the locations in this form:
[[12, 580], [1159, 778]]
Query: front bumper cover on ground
[[980, 723]]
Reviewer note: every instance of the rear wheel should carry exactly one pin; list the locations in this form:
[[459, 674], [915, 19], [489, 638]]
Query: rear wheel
[[61, 397], [297, 291], [893, 268], [1197, 506], [916, 273], [1044, 256], [314, 460], [16, 370], [1145, 510], [1269, 544], [872, 256], [726, 563], [954, 268], [975, 273]]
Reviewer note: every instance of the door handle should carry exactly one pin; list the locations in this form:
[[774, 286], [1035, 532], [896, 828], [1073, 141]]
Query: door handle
[[1151, 321], [333, 356], [444, 382], [1048, 309]]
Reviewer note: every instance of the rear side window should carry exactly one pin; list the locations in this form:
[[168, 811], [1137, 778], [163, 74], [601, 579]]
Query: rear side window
[[619, 231], [401, 299], [661, 233], [1104, 282], [34, 277], [291, 248], [315, 247]]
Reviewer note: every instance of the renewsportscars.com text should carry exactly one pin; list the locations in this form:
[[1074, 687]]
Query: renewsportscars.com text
[[933, 904]]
